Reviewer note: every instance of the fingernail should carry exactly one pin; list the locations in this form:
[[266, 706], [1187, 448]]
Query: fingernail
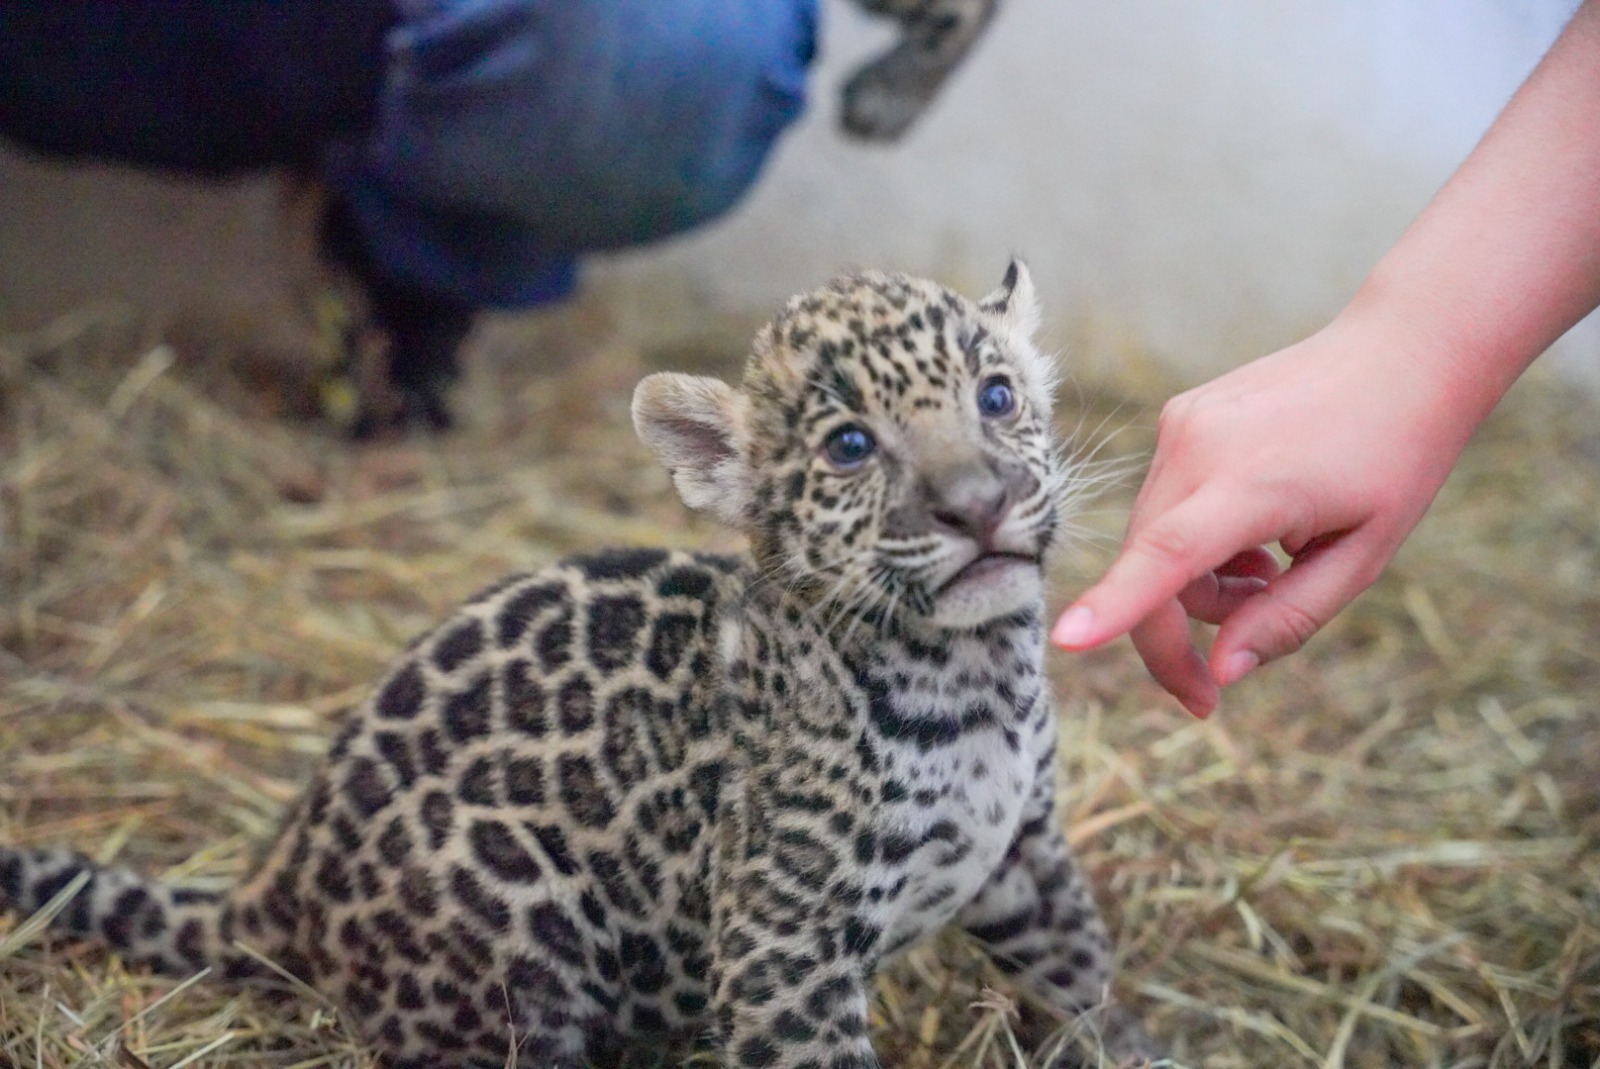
[[1072, 630], [1236, 666]]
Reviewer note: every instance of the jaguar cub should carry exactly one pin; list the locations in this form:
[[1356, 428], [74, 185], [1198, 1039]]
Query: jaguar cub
[[662, 793]]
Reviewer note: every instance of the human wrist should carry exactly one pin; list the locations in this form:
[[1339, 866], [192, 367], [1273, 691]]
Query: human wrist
[[1444, 360]]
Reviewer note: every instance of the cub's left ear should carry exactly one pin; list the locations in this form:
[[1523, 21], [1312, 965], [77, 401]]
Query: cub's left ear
[[1014, 303]]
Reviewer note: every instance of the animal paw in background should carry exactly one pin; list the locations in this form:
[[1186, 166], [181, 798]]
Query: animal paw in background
[[884, 97]]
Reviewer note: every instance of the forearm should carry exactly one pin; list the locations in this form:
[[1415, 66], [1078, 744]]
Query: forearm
[[1506, 257]]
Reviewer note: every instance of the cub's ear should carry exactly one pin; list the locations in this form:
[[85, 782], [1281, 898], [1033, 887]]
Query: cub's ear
[[695, 426], [1013, 313], [1014, 304]]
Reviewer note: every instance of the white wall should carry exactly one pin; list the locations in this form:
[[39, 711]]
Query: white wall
[[1203, 180]]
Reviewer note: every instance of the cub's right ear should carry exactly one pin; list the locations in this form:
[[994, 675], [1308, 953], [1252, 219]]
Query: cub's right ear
[[1014, 304], [695, 426]]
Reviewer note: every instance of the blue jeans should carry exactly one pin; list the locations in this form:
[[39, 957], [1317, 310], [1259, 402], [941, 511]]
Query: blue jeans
[[480, 145], [513, 135]]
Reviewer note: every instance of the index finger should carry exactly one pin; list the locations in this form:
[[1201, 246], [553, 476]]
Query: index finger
[[1160, 558]]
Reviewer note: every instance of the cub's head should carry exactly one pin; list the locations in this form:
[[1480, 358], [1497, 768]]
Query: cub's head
[[889, 453]]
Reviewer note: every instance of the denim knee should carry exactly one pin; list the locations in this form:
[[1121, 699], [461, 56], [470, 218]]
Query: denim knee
[[582, 124]]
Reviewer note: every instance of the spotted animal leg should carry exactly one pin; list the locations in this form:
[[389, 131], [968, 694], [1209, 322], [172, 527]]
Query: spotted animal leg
[[1037, 920], [767, 1020], [784, 996], [884, 97]]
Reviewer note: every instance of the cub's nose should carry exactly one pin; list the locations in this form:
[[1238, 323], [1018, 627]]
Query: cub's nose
[[972, 507]]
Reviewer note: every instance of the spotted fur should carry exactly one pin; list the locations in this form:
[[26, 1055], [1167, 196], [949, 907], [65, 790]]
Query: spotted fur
[[651, 793]]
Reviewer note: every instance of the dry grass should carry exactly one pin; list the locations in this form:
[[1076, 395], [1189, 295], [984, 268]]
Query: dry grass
[[1381, 853]]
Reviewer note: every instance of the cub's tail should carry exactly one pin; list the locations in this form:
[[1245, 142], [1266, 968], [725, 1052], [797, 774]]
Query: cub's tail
[[173, 929]]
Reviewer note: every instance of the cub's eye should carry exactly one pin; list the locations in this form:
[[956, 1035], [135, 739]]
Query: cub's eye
[[996, 398], [849, 447]]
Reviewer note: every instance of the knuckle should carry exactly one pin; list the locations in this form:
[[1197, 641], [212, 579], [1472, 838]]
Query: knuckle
[[1174, 417], [1291, 628], [1168, 543], [1365, 573], [1167, 663], [1300, 508]]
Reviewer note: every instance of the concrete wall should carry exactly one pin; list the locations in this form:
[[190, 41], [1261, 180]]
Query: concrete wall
[[1204, 181], [72, 236], [1197, 181]]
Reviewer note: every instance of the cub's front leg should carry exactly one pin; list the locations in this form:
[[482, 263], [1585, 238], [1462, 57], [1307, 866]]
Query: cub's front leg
[[790, 973], [886, 95], [1038, 921], [786, 1001]]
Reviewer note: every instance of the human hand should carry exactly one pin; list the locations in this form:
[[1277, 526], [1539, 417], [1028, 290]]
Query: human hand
[[1332, 448]]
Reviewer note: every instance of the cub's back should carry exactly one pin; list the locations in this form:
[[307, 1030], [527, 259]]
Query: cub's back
[[550, 745]]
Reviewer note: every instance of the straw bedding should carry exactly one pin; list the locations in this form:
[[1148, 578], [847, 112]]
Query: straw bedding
[[1381, 852]]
